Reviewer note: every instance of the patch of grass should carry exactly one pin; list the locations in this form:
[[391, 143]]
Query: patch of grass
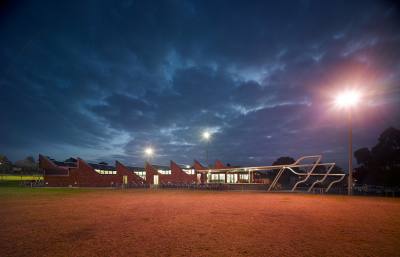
[[16, 191], [9, 183], [9, 177]]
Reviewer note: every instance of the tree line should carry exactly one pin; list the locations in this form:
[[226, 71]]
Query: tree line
[[24, 166], [380, 165]]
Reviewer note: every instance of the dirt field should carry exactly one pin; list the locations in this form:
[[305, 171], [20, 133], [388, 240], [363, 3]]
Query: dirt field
[[68, 222]]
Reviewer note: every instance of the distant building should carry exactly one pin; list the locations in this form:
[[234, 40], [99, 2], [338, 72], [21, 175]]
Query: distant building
[[78, 173]]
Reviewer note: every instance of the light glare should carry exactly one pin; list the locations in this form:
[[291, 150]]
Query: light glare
[[148, 151], [206, 135], [347, 99]]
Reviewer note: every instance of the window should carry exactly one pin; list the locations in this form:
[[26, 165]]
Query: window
[[217, 178], [165, 172], [244, 177], [189, 171], [106, 172], [141, 173], [232, 178]]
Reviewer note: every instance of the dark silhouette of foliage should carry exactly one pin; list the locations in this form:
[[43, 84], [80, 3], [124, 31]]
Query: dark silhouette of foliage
[[5, 164], [284, 160], [285, 178], [381, 164]]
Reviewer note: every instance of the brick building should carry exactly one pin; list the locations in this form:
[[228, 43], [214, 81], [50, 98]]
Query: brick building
[[80, 173], [77, 172], [174, 174]]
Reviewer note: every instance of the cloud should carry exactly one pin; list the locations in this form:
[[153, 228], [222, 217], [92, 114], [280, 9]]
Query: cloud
[[103, 80]]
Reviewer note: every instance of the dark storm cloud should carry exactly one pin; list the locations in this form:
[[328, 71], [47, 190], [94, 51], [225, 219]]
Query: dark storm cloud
[[103, 79]]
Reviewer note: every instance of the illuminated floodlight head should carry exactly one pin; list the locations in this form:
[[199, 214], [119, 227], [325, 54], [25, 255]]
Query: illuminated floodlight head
[[206, 135], [347, 99], [149, 151]]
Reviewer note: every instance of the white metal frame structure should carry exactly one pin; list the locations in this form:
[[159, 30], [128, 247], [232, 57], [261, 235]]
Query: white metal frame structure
[[291, 167]]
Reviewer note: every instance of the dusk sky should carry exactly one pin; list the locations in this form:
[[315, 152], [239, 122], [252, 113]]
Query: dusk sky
[[102, 80]]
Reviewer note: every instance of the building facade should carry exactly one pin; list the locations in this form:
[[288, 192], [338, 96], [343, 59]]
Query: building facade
[[78, 173]]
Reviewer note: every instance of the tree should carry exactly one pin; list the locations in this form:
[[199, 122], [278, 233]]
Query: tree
[[28, 162], [381, 164], [5, 164], [27, 165], [286, 175], [4, 159], [363, 156], [337, 169], [387, 152], [284, 160]]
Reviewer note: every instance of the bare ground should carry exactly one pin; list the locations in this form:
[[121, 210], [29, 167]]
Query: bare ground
[[186, 223]]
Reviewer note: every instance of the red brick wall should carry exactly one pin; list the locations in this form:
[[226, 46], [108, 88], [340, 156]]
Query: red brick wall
[[85, 176], [219, 165], [124, 171], [178, 176], [66, 179], [150, 172], [197, 166], [88, 177]]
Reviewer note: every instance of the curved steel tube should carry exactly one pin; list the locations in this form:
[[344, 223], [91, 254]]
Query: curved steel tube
[[308, 173], [307, 157], [334, 182], [325, 175], [290, 167], [276, 179], [323, 178]]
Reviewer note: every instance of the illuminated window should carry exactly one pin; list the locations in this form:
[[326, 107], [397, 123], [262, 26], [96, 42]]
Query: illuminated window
[[189, 171], [164, 172], [106, 172], [218, 178], [232, 178], [141, 173], [244, 176]]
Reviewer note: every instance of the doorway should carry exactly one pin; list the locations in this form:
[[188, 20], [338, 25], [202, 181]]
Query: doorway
[[155, 180]]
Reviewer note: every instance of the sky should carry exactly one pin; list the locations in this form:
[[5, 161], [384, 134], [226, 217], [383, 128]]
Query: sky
[[103, 80]]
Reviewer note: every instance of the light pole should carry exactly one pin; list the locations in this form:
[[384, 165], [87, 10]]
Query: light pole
[[348, 100], [206, 137], [148, 151], [350, 179]]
